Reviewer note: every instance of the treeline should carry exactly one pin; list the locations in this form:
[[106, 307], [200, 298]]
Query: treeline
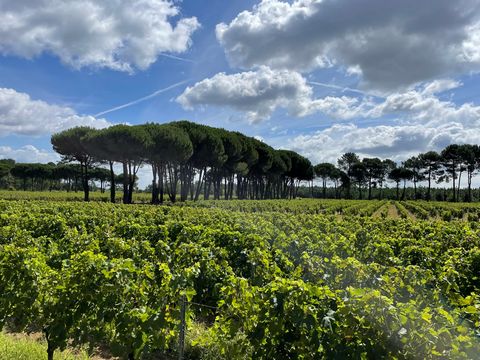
[[190, 160], [426, 169], [50, 176], [187, 160]]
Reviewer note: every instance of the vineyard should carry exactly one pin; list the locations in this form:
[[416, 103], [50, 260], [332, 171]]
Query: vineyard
[[273, 279]]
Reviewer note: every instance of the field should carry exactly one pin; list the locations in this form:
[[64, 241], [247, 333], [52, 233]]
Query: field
[[273, 279]]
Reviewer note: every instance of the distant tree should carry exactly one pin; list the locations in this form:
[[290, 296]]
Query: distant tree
[[260, 170], [470, 155], [71, 145], [23, 172], [44, 173], [168, 148], [70, 173], [374, 172], [301, 170], [100, 174], [452, 162], [103, 147], [431, 168], [325, 171], [127, 145], [5, 166], [233, 154], [338, 177], [39, 174], [387, 166], [358, 173], [280, 166], [346, 163], [249, 157], [401, 174], [208, 153], [414, 164]]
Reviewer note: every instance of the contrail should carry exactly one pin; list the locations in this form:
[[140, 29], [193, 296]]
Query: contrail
[[177, 58], [342, 88], [134, 102]]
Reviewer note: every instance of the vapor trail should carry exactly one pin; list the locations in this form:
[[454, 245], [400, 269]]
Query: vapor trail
[[176, 58], [134, 102], [342, 88]]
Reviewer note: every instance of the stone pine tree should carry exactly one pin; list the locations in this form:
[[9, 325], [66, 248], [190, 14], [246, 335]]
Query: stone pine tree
[[325, 172], [71, 145], [168, 147], [346, 163], [431, 169]]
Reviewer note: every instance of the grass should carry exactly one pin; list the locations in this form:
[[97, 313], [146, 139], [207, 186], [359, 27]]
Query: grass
[[138, 197], [24, 347]]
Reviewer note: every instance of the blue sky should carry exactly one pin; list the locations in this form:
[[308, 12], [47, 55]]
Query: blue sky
[[318, 77]]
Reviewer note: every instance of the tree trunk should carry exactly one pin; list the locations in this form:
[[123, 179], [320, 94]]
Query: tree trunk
[[458, 185], [154, 185], [453, 181], [50, 352], [86, 188], [429, 195], [125, 182], [50, 348], [112, 183], [200, 183], [160, 183], [131, 182], [469, 186], [415, 189], [369, 189], [207, 189]]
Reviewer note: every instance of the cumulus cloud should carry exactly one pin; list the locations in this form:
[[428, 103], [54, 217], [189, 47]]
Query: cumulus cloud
[[386, 43], [116, 34], [419, 122], [397, 142], [441, 85], [423, 107], [259, 93], [19, 114], [28, 153]]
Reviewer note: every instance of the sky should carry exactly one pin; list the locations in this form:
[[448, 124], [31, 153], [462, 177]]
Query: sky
[[321, 77]]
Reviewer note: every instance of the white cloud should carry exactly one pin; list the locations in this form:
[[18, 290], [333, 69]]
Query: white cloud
[[259, 93], [29, 154], [116, 34], [419, 122], [19, 114], [397, 142], [390, 44], [441, 85], [423, 107]]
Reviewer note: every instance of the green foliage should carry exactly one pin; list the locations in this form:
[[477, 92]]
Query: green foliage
[[296, 279]]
